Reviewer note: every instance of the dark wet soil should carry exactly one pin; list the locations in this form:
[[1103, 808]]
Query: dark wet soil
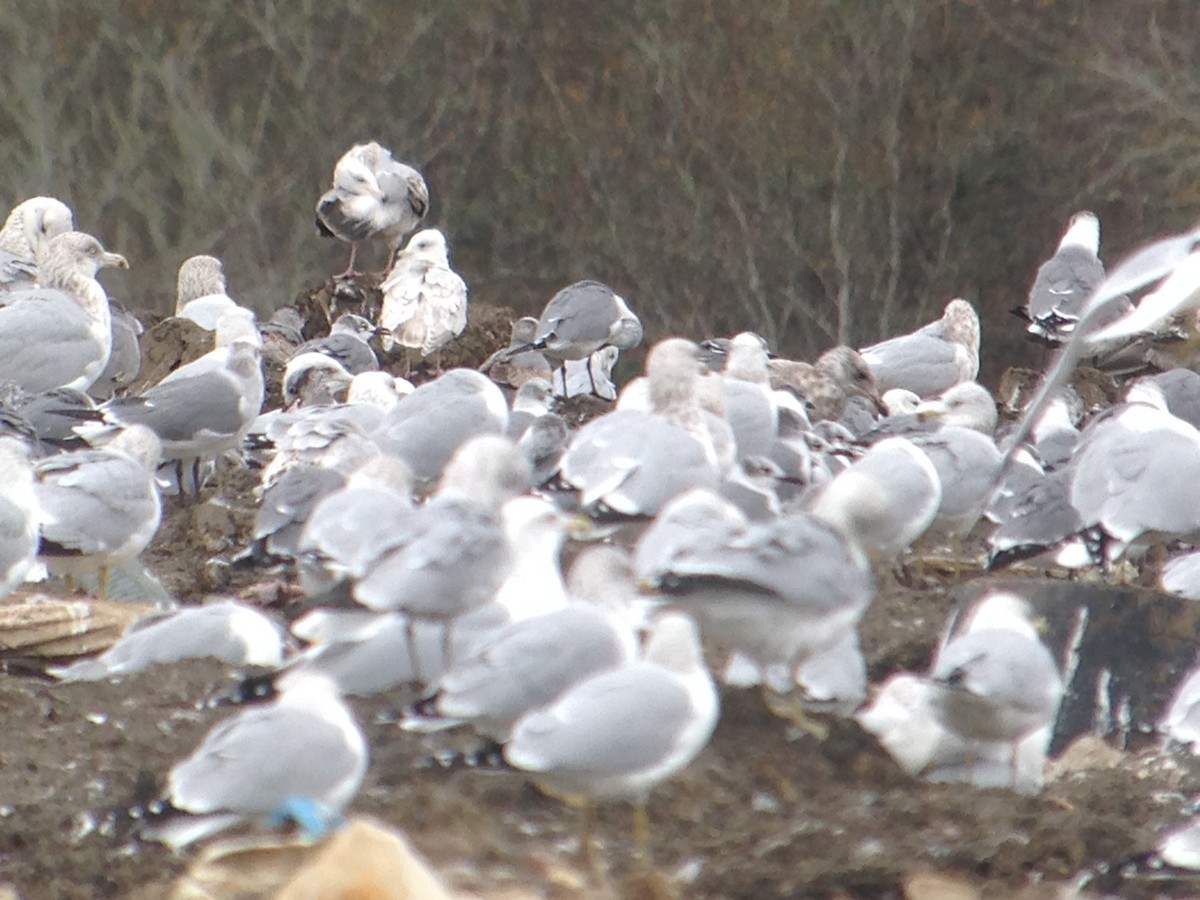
[[766, 811]]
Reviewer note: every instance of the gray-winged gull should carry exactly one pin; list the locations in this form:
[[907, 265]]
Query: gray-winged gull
[[1038, 520], [532, 401], [826, 385], [777, 592], [125, 356], [426, 427], [348, 342], [1064, 281], [884, 501], [544, 443], [424, 300], [59, 334], [966, 463], [536, 531], [100, 508], [28, 227], [232, 632], [749, 403], [304, 745], [1177, 391], [201, 292], [1135, 472], [582, 318], [18, 515], [965, 405], [201, 409], [630, 462], [933, 358], [995, 681], [619, 733], [286, 505], [314, 379], [373, 194]]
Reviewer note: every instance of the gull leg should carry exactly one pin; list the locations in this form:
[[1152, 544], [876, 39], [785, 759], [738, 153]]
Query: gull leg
[[591, 376], [350, 273], [410, 634], [789, 708], [103, 579], [641, 831], [587, 857], [69, 584]]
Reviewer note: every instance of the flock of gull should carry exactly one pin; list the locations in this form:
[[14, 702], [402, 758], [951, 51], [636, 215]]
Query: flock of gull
[[729, 509]]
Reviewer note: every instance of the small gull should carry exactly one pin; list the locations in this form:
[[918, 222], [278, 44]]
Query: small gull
[[59, 334], [933, 358], [1038, 520], [424, 300], [426, 427], [532, 401], [995, 681], [26, 230], [621, 732], [100, 508], [285, 508], [236, 634], [348, 342], [884, 501], [201, 292], [304, 745], [373, 194], [826, 385], [19, 515], [314, 379], [749, 403]]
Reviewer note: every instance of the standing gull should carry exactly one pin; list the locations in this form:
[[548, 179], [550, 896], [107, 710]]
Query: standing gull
[[619, 733], [59, 334], [26, 230], [373, 194], [933, 358], [1064, 281], [424, 300], [304, 745], [18, 515]]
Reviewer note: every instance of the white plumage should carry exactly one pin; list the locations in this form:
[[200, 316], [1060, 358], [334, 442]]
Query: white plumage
[[424, 300]]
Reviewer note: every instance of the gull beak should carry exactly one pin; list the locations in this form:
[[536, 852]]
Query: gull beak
[[930, 410], [580, 527], [114, 260]]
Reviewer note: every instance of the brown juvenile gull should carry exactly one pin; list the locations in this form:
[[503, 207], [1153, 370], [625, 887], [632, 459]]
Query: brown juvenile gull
[[424, 300], [838, 374], [518, 362], [59, 334], [373, 194], [201, 292], [933, 358], [26, 230]]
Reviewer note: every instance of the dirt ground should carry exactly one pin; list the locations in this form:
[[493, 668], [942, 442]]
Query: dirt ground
[[766, 811]]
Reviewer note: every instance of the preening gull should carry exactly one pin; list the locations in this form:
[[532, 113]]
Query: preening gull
[[18, 515], [428, 425], [201, 292], [100, 508], [424, 300], [26, 230], [232, 632], [373, 194], [348, 342], [304, 745], [620, 732], [933, 358], [826, 385], [995, 681], [1064, 281], [59, 334]]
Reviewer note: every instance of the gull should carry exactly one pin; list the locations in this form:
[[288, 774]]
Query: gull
[[28, 227], [826, 385], [236, 634], [100, 508], [314, 379], [426, 427], [305, 744], [347, 343], [125, 358], [995, 681], [424, 300], [966, 463], [1064, 281], [201, 292], [581, 319], [19, 515], [373, 194], [59, 334], [933, 358], [619, 733], [517, 363]]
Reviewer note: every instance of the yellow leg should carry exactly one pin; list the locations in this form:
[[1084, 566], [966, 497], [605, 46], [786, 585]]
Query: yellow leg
[[641, 831], [69, 584], [103, 579], [587, 821]]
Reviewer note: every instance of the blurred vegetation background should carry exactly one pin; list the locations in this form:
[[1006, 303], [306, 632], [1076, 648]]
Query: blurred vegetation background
[[816, 170]]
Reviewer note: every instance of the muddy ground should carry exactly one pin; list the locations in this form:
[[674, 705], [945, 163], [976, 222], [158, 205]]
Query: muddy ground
[[766, 811]]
